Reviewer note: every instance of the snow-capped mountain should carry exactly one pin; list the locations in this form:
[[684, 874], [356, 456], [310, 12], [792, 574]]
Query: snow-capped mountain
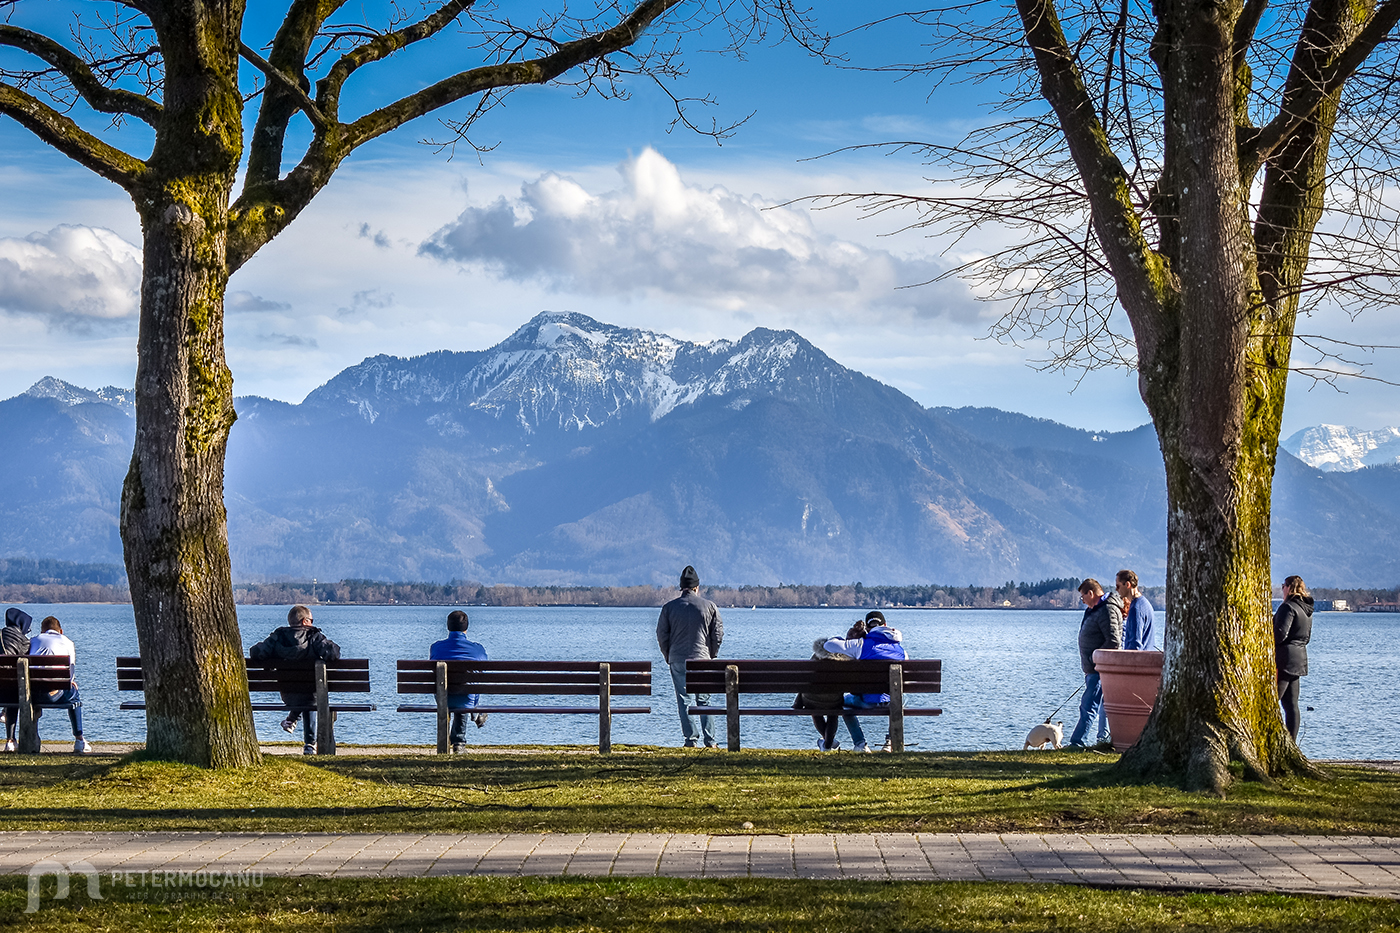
[[1332, 448], [568, 372], [68, 394]]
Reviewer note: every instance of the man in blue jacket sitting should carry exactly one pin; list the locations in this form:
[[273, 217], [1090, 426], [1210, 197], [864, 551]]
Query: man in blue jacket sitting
[[456, 647]]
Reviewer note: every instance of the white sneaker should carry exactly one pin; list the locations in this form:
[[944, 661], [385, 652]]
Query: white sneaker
[[82, 747], [864, 749], [889, 746], [288, 725], [308, 749], [10, 745]]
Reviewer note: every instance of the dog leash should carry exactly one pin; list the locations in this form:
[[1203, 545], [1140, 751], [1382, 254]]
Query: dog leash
[[1062, 705]]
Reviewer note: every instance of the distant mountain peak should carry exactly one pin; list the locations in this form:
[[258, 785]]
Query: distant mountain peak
[[1334, 448], [68, 394], [563, 370]]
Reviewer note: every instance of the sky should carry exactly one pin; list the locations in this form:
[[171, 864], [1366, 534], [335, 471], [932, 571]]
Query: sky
[[596, 206]]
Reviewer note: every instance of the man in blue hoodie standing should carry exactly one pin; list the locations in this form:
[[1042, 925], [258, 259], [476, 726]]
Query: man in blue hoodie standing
[[456, 647], [881, 642]]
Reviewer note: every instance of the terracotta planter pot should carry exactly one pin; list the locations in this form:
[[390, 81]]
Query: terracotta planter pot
[[1130, 683]]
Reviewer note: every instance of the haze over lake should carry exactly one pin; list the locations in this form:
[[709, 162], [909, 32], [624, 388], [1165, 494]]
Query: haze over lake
[[1003, 672]]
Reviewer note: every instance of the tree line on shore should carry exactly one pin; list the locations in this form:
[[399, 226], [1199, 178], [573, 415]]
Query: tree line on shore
[[49, 581]]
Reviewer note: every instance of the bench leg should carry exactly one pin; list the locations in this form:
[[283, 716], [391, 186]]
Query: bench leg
[[604, 708], [325, 721], [444, 716], [27, 736], [896, 708], [731, 705]]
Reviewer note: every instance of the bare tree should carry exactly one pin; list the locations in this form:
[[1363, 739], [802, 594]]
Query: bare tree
[[174, 65], [1207, 170]]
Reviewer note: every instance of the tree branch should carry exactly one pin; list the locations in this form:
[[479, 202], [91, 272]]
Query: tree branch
[[67, 137], [328, 88], [289, 85], [1302, 99], [508, 74], [1142, 274], [97, 95]]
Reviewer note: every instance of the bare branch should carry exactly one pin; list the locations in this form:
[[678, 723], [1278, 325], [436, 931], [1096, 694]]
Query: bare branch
[[79, 73], [289, 85], [70, 139]]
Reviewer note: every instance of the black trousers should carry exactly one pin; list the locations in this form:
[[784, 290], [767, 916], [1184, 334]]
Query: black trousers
[[1288, 688]]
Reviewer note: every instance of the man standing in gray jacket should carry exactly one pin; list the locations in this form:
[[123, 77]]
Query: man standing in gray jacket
[[1101, 627], [690, 627]]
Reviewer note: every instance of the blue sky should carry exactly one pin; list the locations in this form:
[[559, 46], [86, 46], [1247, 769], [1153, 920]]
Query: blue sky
[[584, 205]]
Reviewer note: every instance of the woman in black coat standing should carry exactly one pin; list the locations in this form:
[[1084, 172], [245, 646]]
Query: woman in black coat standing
[[1292, 631]]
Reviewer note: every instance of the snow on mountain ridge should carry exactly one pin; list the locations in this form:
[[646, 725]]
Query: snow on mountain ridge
[[1335, 448], [567, 370]]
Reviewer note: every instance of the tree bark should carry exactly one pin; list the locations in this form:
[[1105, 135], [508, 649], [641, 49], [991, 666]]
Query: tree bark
[[173, 521]]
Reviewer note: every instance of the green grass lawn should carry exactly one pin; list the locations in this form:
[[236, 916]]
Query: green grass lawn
[[660, 904], [672, 790]]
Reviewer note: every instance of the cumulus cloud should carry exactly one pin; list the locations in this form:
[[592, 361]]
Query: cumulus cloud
[[72, 276], [659, 234], [289, 340]]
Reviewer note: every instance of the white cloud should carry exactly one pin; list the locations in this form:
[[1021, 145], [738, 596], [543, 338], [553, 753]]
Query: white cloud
[[72, 275], [659, 236]]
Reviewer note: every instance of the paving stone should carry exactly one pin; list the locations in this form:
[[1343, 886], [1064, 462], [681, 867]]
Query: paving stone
[[860, 857], [640, 855], [596, 854], [814, 856], [727, 857], [771, 857]]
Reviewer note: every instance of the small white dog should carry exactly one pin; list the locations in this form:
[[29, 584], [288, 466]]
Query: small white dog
[[1043, 733]]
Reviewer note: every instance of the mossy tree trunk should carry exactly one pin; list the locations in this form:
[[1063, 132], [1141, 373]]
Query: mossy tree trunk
[[173, 520], [1212, 303], [195, 236]]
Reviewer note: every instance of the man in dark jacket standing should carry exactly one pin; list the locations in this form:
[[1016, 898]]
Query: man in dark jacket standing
[[298, 640], [1101, 627], [14, 639], [1292, 632], [690, 627]]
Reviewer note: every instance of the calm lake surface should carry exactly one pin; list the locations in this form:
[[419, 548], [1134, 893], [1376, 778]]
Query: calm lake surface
[[1002, 672]]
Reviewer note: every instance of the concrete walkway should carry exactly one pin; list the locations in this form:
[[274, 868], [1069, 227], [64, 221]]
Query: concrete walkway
[[1351, 866]]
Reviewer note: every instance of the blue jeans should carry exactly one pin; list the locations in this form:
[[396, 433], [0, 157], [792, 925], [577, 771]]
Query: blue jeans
[[75, 715], [461, 705], [683, 704], [856, 701], [1090, 705]]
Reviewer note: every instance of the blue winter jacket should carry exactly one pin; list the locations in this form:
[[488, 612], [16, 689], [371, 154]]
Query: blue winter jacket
[[881, 643], [456, 647]]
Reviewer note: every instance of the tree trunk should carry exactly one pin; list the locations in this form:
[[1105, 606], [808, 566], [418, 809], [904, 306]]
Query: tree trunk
[[1216, 393], [174, 526]]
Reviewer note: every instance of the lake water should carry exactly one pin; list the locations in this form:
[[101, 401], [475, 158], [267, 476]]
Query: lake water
[[1002, 672]]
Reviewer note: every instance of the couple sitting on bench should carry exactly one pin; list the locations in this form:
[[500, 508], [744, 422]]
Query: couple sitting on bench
[[871, 638]]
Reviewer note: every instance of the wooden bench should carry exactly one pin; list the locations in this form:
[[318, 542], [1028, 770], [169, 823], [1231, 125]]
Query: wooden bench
[[734, 677], [319, 679], [22, 677], [603, 679]]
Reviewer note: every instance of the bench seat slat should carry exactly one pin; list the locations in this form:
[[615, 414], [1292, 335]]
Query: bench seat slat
[[580, 710], [789, 711], [417, 664]]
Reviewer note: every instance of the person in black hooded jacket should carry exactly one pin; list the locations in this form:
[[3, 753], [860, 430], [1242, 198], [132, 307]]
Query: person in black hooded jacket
[[14, 639], [1292, 632], [296, 641]]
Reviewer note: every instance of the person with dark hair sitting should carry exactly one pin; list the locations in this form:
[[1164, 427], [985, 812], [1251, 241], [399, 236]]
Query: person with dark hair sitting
[[826, 725], [14, 639], [456, 647]]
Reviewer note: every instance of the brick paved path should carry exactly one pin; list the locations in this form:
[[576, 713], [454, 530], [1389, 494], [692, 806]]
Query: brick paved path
[[1332, 865]]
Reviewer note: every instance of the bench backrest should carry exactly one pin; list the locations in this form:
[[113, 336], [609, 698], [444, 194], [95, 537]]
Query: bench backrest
[[576, 678], [348, 675], [47, 672], [824, 676]]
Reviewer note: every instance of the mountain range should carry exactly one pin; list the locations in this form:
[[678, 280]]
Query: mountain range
[[577, 452]]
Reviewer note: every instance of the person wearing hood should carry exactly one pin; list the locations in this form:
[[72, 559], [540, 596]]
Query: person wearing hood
[[690, 628], [1292, 632], [14, 640], [456, 647], [880, 642], [298, 640], [1101, 627]]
